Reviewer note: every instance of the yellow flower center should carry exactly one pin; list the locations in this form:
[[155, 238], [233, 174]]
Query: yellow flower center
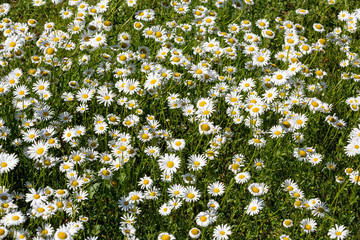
[[261, 59], [195, 231], [165, 237], [40, 151], [302, 153], [205, 127], [62, 235], [50, 51], [191, 195], [135, 198]]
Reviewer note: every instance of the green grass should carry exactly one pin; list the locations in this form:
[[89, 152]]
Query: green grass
[[102, 206]]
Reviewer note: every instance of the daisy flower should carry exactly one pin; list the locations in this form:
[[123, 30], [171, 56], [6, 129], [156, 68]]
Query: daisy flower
[[165, 209], [302, 11], [318, 27], [106, 98], [267, 33], [242, 177], [338, 232], [13, 219], [308, 225], [191, 194], [196, 162], [354, 177], [213, 205], [145, 182], [176, 190], [287, 223], [261, 58], [285, 237], [62, 233], [3, 232], [178, 144], [38, 149], [205, 128], [194, 233], [152, 151], [222, 231], [203, 219], [255, 206], [8, 162], [176, 203], [216, 189], [166, 236], [189, 178], [257, 142], [99, 39], [258, 189], [169, 163]]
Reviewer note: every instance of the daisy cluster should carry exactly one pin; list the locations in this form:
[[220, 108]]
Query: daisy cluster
[[86, 99]]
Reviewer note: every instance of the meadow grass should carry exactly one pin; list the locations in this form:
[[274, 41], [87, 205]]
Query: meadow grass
[[329, 129]]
